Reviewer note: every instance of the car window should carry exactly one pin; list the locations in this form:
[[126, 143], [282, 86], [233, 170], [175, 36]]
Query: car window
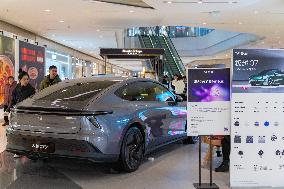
[[78, 91], [145, 91]]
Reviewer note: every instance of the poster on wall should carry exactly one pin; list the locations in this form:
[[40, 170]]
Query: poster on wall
[[32, 61], [208, 103], [7, 63], [257, 132]]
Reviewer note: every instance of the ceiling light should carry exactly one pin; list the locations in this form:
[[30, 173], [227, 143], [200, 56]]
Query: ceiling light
[[64, 40], [131, 11], [169, 2], [262, 42], [255, 12], [97, 30], [61, 21], [204, 23], [80, 47], [240, 23], [47, 10], [200, 2]]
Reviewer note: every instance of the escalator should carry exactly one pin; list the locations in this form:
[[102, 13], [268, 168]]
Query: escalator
[[172, 60]]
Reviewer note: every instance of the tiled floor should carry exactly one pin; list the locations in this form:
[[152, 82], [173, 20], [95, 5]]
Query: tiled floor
[[174, 166]]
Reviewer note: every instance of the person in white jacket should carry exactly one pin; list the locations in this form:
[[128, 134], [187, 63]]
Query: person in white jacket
[[178, 85]]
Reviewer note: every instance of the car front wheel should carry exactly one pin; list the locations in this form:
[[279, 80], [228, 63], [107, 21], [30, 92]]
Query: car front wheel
[[132, 149]]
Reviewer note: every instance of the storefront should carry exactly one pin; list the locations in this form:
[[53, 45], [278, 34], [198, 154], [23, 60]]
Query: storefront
[[61, 61]]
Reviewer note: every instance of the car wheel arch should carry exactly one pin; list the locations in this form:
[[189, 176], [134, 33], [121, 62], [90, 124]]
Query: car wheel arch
[[138, 125]]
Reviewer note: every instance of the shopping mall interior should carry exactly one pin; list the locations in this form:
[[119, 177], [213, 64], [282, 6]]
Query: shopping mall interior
[[141, 94]]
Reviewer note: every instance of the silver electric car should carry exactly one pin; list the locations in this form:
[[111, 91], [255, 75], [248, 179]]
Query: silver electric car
[[99, 119]]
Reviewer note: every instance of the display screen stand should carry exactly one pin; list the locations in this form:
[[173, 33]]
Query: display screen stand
[[210, 185]]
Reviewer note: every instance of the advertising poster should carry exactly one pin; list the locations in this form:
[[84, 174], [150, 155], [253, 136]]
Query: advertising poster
[[257, 122], [32, 61], [208, 104], [7, 63]]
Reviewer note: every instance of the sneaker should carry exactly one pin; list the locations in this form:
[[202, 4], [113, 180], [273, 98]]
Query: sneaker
[[219, 154], [17, 156], [5, 124], [224, 167]]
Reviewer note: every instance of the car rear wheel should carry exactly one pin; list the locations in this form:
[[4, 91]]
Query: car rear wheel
[[131, 154]]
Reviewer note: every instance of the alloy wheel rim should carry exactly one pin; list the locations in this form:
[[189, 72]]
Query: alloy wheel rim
[[133, 150]]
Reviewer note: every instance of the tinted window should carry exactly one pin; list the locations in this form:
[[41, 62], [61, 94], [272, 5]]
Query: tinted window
[[145, 91], [78, 92]]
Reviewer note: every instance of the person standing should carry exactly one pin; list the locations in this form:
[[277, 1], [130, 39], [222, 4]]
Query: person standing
[[8, 90], [226, 149], [51, 79], [23, 89], [179, 85]]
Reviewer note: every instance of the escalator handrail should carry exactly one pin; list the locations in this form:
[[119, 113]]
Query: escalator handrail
[[178, 66]]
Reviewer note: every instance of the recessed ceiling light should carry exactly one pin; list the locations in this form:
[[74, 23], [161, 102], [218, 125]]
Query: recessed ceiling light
[[169, 2], [80, 47], [204, 23], [240, 23], [47, 10], [61, 21], [262, 42], [227, 55], [98, 30], [200, 2], [131, 11], [64, 40]]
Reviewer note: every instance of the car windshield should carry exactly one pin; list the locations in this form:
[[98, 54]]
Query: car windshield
[[266, 72], [78, 91]]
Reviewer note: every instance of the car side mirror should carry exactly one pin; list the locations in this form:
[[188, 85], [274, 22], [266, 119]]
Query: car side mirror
[[179, 98]]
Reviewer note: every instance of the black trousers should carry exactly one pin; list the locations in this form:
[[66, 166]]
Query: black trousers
[[6, 119], [5, 108], [226, 147]]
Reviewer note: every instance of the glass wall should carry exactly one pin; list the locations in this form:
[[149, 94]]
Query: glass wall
[[171, 31], [61, 61]]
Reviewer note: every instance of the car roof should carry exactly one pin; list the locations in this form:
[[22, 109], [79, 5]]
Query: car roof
[[105, 78]]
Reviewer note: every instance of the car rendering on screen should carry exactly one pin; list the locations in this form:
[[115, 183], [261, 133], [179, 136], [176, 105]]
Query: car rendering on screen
[[272, 77], [98, 119]]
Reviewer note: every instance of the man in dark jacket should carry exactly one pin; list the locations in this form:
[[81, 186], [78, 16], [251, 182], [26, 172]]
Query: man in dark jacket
[[23, 89], [50, 79], [8, 90]]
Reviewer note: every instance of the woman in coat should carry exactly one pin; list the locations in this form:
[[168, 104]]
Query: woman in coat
[[8, 90], [23, 89]]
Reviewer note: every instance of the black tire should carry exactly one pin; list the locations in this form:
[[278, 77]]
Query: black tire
[[190, 140], [132, 149]]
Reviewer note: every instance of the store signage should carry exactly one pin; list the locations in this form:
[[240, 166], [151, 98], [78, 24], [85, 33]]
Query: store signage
[[7, 63], [32, 60], [257, 145], [132, 51], [208, 103]]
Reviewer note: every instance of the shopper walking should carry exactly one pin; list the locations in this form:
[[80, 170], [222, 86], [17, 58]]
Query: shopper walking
[[23, 89], [178, 85], [51, 79], [226, 149], [8, 90]]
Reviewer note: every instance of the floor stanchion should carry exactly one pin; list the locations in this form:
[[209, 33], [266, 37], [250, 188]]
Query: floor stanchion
[[201, 185]]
